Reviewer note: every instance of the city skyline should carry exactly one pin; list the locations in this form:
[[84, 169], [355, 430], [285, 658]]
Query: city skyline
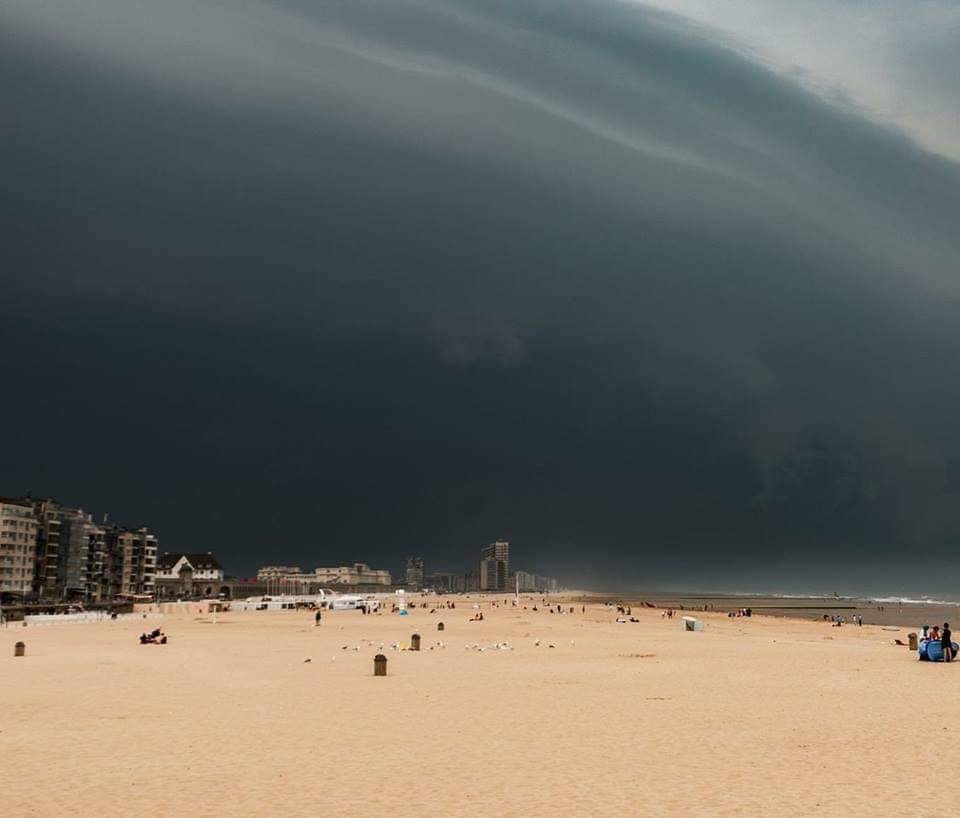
[[52, 551]]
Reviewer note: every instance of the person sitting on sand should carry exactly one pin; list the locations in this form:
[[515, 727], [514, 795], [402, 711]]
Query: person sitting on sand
[[934, 634], [946, 642]]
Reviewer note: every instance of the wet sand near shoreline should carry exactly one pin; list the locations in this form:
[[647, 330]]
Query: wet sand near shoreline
[[909, 615]]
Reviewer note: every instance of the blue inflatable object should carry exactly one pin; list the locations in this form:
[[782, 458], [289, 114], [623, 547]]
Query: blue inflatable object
[[932, 651]]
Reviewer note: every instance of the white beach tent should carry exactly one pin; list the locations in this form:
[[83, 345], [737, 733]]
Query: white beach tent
[[688, 623]]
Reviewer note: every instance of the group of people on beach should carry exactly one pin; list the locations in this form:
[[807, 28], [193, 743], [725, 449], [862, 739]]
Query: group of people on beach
[[839, 620], [155, 637], [944, 637]]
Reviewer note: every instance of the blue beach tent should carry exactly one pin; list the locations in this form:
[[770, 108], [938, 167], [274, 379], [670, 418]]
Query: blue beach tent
[[932, 651]]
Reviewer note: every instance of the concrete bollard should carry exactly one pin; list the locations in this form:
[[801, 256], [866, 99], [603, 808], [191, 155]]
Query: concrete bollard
[[439, 626], [19, 649], [415, 642], [912, 640], [379, 665]]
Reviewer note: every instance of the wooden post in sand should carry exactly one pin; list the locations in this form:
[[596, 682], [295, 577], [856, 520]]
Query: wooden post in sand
[[415, 642], [379, 665], [19, 649]]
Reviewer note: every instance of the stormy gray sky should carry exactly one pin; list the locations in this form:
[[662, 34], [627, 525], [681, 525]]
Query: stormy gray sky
[[661, 292]]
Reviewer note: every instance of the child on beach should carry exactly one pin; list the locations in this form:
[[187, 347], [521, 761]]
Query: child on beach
[[946, 642]]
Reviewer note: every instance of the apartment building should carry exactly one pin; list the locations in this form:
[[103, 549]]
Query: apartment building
[[18, 546], [49, 515], [494, 566], [131, 561], [414, 574], [74, 551]]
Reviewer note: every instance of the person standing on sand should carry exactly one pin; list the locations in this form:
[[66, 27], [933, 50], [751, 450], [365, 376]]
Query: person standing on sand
[[946, 642], [316, 618]]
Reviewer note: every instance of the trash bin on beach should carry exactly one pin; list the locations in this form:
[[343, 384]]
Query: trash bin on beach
[[19, 649], [439, 626], [415, 642], [912, 641], [379, 665]]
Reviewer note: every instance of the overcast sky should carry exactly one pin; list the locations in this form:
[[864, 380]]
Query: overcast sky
[[662, 293]]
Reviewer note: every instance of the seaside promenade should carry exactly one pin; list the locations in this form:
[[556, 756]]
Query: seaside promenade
[[751, 716]]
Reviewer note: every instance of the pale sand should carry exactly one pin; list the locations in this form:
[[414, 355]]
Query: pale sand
[[749, 717]]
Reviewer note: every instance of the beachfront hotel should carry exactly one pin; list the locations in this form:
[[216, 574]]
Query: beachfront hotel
[[359, 574], [279, 571]]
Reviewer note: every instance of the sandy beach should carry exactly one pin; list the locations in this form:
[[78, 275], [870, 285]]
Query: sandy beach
[[757, 716]]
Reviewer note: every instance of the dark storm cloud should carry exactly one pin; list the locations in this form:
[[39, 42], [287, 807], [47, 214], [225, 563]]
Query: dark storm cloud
[[357, 279]]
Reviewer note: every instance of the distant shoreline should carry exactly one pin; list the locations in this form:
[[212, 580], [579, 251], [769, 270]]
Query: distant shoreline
[[874, 611]]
